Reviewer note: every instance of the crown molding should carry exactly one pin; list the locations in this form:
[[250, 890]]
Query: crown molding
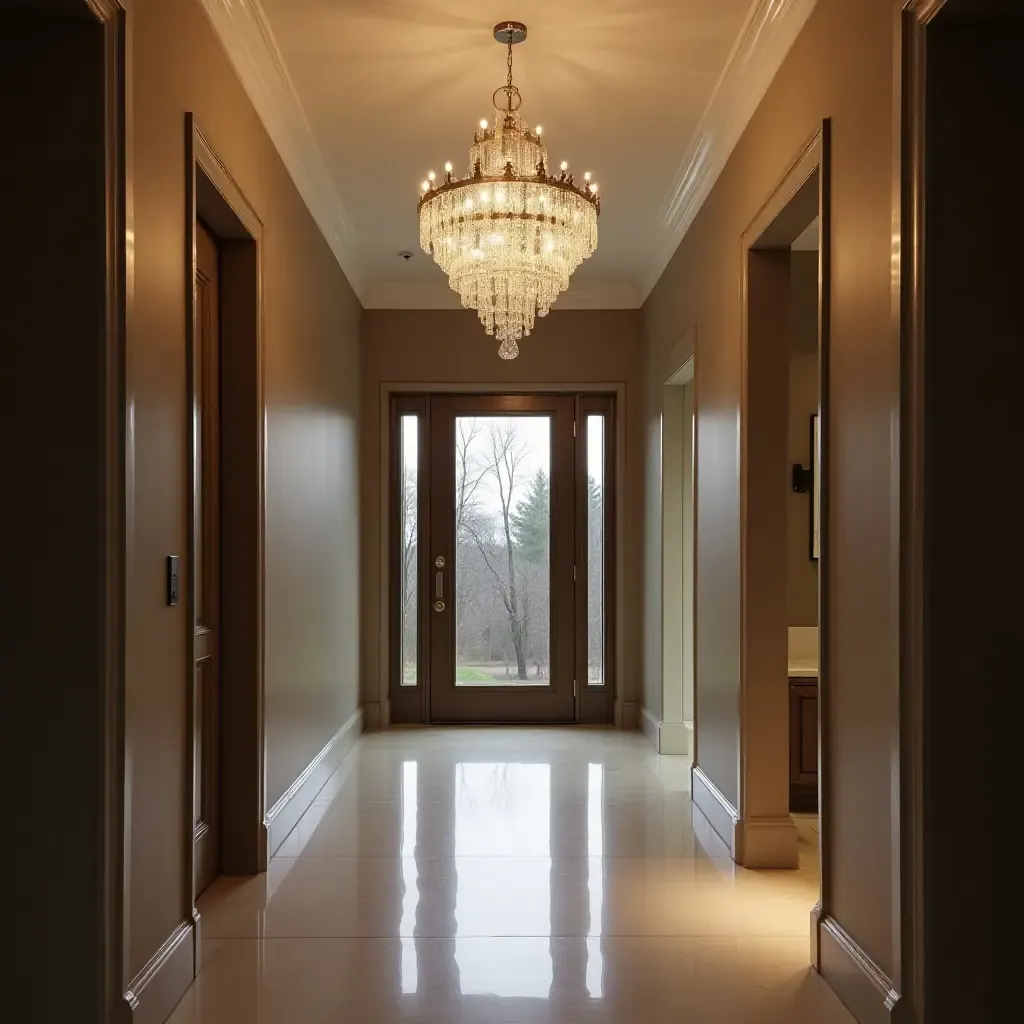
[[247, 38], [421, 294], [763, 42]]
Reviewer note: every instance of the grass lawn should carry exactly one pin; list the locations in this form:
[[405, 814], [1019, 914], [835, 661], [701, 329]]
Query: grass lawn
[[468, 674]]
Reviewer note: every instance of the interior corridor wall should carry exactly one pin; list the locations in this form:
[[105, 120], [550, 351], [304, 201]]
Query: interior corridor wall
[[311, 319], [447, 348], [802, 570], [841, 66]]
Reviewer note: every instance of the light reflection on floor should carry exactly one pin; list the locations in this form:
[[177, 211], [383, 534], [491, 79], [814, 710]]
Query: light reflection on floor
[[508, 876]]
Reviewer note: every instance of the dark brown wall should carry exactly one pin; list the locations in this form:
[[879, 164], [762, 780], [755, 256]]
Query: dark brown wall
[[974, 362], [841, 66], [53, 302], [446, 347], [312, 390]]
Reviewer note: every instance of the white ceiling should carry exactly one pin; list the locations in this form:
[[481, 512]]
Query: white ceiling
[[364, 96]]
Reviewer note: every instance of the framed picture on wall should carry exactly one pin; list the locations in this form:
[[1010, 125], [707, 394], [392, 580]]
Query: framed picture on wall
[[815, 486]]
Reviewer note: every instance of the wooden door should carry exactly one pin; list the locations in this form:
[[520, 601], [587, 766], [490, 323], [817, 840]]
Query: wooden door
[[500, 558], [206, 561]]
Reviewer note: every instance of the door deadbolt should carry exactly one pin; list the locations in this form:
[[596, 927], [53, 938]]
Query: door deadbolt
[[439, 606], [439, 561]]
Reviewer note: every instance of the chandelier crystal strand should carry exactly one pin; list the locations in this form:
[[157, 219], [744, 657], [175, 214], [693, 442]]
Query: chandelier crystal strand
[[508, 235]]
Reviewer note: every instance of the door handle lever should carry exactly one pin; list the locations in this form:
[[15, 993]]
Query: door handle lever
[[439, 585]]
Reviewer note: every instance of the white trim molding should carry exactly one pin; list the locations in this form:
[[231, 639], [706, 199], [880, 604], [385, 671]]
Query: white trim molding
[[155, 991], [764, 40], [859, 982], [246, 36], [296, 800], [720, 813], [666, 737], [768, 32]]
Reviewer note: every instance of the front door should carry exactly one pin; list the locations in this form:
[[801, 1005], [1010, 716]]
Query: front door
[[206, 562], [500, 558]]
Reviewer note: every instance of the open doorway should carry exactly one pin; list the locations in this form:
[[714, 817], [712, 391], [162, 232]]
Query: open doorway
[[223, 567], [803, 537], [783, 541], [668, 716]]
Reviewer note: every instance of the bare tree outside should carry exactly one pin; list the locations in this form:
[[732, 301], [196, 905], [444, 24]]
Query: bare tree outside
[[502, 577], [502, 556]]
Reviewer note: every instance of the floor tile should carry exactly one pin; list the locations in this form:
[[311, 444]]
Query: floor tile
[[506, 876]]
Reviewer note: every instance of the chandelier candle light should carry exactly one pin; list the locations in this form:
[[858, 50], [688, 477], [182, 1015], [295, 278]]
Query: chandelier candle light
[[509, 235]]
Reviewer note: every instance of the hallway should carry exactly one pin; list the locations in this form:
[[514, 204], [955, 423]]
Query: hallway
[[512, 875]]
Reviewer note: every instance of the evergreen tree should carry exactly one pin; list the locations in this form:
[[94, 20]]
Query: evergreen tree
[[531, 520]]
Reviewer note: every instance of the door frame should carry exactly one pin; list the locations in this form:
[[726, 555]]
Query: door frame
[[378, 712], [763, 834], [448, 703], [213, 196]]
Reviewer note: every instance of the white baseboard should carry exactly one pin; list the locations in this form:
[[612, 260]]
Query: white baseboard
[[767, 843], [157, 989], [676, 737], [627, 714], [373, 718], [858, 981], [284, 815], [721, 814], [651, 726], [754, 842], [666, 737]]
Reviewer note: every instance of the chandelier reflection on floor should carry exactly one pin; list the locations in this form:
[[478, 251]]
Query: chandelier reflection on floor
[[509, 235]]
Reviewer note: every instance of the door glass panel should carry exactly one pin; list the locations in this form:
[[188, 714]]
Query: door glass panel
[[595, 550], [502, 550], [410, 536]]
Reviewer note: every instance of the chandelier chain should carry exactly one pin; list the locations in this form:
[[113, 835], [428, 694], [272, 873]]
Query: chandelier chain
[[510, 66]]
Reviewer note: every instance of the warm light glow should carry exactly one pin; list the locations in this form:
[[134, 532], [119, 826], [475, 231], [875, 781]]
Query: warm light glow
[[431, 175], [426, 186], [509, 234], [586, 175], [593, 186]]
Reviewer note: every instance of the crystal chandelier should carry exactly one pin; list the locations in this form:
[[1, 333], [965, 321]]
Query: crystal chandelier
[[509, 235]]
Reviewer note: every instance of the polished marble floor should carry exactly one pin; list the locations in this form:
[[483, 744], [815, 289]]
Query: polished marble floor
[[505, 876]]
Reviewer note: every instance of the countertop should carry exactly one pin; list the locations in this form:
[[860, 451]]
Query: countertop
[[803, 668]]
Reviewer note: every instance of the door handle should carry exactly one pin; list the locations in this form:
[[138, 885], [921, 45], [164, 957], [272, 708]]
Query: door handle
[[439, 585]]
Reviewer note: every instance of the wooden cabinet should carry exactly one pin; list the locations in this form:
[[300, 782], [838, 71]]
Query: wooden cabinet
[[803, 744]]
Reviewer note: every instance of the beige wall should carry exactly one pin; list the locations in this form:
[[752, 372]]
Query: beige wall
[[448, 347], [669, 696], [802, 570], [841, 66], [312, 372]]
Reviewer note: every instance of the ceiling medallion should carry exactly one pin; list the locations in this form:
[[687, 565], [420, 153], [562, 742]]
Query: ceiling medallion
[[509, 235]]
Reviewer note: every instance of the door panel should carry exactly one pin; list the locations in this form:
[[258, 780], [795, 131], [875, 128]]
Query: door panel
[[206, 562], [501, 540]]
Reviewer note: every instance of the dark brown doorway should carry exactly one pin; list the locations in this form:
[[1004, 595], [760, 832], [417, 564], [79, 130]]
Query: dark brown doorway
[[206, 552], [502, 558]]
